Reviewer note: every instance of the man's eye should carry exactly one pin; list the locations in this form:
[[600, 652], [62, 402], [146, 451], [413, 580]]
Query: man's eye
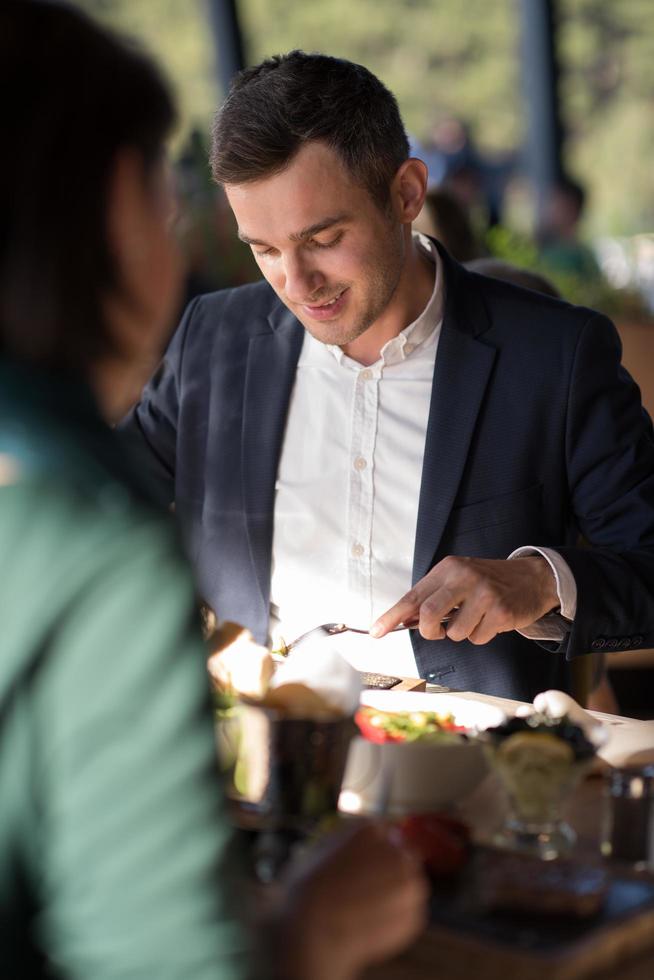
[[334, 241], [264, 251]]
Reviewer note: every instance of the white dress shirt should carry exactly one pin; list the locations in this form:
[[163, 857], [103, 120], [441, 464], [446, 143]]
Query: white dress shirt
[[347, 490]]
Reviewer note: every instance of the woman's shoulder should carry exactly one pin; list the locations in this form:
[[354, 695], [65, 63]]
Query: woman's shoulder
[[60, 537]]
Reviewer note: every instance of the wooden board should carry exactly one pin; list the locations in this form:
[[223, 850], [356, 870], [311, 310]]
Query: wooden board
[[464, 941]]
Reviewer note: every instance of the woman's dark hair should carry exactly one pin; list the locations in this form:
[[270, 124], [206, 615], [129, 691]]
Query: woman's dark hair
[[273, 109], [73, 96]]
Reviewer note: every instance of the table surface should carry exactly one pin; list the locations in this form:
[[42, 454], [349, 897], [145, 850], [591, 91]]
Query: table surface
[[437, 955]]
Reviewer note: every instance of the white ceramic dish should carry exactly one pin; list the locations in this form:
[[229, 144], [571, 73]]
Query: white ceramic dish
[[422, 776]]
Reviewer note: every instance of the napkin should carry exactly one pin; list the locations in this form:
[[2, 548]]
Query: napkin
[[319, 667]]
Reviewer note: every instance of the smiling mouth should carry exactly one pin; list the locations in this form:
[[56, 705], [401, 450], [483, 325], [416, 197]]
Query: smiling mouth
[[327, 305]]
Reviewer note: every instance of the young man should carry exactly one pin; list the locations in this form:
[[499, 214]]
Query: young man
[[368, 435]]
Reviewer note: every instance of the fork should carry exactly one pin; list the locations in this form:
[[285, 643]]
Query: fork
[[333, 629]]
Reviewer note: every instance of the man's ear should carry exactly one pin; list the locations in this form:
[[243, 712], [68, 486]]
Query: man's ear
[[408, 190]]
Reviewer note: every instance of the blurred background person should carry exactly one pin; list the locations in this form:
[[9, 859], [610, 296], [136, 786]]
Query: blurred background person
[[114, 845], [444, 217], [560, 246], [506, 271]]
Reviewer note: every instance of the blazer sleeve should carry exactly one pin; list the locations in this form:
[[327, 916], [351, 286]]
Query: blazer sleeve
[[149, 431], [610, 466]]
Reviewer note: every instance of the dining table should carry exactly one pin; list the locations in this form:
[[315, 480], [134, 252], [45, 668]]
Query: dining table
[[463, 943]]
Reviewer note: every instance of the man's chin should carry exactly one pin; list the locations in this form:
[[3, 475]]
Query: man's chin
[[335, 336]]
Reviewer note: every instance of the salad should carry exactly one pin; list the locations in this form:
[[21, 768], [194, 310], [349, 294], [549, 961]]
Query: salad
[[407, 726]]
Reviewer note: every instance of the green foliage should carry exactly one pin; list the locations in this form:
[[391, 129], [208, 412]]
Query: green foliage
[[439, 58], [585, 290], [448, 57]]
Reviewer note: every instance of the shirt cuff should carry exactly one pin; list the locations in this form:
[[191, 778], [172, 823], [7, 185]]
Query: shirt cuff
[[553, 625]]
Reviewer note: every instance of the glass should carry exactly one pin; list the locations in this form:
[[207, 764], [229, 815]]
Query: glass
[[538, 771]]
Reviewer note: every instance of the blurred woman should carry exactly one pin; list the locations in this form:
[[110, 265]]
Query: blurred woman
[[113, 841]]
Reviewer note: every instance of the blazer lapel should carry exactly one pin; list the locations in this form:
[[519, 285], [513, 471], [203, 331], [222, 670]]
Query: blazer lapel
[[270, 373], [462, 370]]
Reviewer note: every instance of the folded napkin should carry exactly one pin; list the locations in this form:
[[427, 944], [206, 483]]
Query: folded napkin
[[320, 668]]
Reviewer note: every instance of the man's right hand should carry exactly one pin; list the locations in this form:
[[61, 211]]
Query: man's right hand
[[362, 899]]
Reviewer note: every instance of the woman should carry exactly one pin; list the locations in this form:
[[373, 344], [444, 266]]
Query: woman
[[113, 842]]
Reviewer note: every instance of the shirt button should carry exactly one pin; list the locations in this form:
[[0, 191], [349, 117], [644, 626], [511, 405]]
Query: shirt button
[[360, 463], [409, 348], [365, 375], [357, 550]]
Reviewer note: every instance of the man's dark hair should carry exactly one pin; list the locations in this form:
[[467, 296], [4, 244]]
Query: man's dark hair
[[273, 109], [73, 96]]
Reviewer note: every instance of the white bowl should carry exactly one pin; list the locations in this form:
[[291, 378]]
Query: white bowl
[[420, 776]]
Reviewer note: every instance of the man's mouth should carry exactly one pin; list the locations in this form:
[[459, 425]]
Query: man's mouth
[[322, 310]]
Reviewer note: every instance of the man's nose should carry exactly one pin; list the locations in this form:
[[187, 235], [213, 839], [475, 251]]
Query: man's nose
[[301, 279]]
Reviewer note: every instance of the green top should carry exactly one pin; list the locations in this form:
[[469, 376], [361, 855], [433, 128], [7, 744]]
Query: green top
[[113, 842]]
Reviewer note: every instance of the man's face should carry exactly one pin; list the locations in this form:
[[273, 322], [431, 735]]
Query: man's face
[[327, 249]]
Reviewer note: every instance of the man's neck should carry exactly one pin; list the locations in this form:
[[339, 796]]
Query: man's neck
[[412, 295]]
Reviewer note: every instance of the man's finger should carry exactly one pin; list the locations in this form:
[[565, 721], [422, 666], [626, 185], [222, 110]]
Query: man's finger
[[464, 622], [424, 602], [406, 609], [485, 630], [436, 610]]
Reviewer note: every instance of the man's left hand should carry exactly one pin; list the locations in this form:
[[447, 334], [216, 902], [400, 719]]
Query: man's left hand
[[488, 596]]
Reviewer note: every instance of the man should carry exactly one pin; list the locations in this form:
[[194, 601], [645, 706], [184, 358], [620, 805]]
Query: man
[[373, 415]]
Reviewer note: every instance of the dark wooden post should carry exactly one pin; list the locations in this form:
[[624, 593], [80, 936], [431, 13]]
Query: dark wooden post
[[540, 74], [228, 40]]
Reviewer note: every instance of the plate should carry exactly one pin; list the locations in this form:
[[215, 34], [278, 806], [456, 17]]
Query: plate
[[420, 776]]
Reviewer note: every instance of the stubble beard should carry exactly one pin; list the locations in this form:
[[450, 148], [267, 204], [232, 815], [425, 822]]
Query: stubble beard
[[381, 287]]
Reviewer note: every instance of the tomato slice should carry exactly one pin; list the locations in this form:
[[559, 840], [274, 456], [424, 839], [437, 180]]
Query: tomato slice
[[374, 733], [441, 841]]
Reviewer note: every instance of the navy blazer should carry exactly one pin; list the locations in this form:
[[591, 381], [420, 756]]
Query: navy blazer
[[536, 435]]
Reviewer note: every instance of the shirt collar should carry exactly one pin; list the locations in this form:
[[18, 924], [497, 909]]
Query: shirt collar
[[421, 329]]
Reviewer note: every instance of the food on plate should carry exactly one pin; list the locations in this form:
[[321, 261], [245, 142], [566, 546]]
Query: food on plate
[[407, 726], [237, 665], [441, 841], [520, 883]]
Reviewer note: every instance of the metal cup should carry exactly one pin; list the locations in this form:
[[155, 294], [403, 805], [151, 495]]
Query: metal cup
[[286, 771], [628, 817]]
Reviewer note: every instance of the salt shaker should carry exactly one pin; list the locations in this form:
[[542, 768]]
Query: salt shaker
[[628, 825]]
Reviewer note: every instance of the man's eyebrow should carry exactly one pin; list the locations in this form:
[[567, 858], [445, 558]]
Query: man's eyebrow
[[319, 226], [308, 232]]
